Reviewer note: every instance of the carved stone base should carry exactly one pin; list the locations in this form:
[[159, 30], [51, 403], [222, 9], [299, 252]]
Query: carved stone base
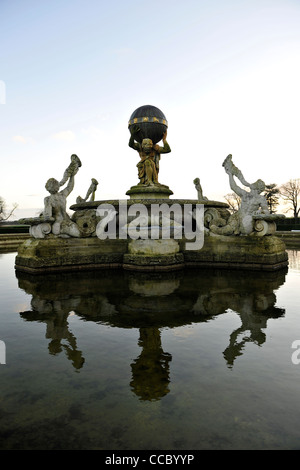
[[157, 191], [239, 252], [69, 254], [149, 255], [74, 254]]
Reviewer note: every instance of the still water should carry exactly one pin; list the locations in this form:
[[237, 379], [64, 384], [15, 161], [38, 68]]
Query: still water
[[197, 359]]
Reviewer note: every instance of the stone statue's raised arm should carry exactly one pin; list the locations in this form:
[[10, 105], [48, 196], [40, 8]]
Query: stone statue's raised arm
[[71, 170], [133, 131], [239, 191], [166, 148], [69, 188], [232, 171], [69, 174]]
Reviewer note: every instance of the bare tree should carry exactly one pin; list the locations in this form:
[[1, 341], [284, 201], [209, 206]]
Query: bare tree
[[290, 192], [234, 202], [272, 194], [5, 213]]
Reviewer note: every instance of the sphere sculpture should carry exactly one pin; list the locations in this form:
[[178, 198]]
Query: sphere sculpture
[[151, 122]]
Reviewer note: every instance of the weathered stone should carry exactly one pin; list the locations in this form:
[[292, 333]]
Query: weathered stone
[[90, 192], [54, 219], [69, 254], [253, 203], [150, 247], [143, 192], [199, 190], [153, 262], [265, 253]]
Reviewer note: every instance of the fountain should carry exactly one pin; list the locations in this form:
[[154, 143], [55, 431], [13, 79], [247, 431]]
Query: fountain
[[149, 231]]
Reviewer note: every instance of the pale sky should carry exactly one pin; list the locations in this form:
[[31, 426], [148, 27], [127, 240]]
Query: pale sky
[[225, 73]]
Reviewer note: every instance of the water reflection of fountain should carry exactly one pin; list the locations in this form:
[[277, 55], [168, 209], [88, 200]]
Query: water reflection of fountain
[[150, 371], [151, 302], [54, 313], [294, 259]]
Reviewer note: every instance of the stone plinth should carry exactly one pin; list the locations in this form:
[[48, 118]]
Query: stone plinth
[[140, 191], [153, 255], [69, 254], [239, 252], [54, 255]]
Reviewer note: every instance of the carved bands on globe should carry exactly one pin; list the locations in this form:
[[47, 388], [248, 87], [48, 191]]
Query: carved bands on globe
[[151, 121]]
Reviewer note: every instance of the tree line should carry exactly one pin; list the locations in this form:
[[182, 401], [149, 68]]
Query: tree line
[[6, 213], [288, 194]]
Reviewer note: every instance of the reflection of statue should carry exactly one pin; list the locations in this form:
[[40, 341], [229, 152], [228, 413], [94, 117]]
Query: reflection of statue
[[150, 371], [148, 167], [199, 190], [253, 302], [252, 203], [253, 312], [90, 192], [55, 313]]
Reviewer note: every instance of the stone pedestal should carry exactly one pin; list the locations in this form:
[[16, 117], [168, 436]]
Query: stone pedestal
[[153, 255], [74, 254], [157, 191]]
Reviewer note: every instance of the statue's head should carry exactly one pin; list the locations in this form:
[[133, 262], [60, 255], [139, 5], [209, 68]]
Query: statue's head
[[258, 186], [52, 186], [147, 145]]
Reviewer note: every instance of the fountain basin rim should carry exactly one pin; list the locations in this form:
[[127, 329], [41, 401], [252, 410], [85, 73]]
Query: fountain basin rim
[[147, 202]]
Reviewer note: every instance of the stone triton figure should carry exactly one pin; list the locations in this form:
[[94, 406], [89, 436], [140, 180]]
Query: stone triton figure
[[252, 203], [148, 167], [55, 206]]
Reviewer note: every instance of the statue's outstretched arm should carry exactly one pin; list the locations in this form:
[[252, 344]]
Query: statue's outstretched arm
[[133, 131], [69, 188], [132, 143], [239, 191], [166, 148], [230, 168]]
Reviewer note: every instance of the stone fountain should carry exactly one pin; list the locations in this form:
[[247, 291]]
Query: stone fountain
[[150, 231]]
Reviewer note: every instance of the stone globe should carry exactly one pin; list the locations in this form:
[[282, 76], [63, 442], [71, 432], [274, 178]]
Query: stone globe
[[151, 121]]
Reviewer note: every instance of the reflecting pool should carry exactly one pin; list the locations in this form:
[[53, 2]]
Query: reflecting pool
[[114, 360]]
